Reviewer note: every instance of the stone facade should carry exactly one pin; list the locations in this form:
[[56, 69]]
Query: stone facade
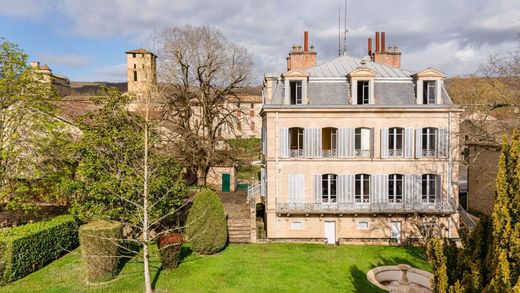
[[214, 178], [141, 71], [357, 135], [482, 174]]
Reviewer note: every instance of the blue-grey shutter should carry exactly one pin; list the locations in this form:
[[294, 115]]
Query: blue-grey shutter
[[409, 186], [284, 142], [438, 188], [264, 141], [408, 147], [342, 142], [351, 142], [372, 146], [296, 188], [442, 140], [317, 188], [317, 142], [384, 143], [307, 142], [379, 189], [349, 188], [341, 189], [262, 181], [418, 143], [418, 188]]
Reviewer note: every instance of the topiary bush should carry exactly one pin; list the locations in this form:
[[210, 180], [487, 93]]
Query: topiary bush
[[100, 249], [170, 246], [206, 225], [27, 248]]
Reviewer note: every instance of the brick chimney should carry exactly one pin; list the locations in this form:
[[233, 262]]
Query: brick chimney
[[302, 58], [388, 56]]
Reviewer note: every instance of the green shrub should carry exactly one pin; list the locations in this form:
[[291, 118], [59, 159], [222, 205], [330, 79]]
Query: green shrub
[[100, 249], [170, 246], [27, 248], [207, 226]]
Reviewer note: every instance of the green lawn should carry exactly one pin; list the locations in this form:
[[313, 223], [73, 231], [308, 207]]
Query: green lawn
[[239, 268]]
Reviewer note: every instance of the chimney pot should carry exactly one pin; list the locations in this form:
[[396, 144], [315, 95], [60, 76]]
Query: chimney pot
[[306, 41], [377, 42], [383, 42], [370, 47]]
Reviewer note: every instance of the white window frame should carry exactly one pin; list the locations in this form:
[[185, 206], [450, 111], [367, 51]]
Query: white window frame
[[333, 151], [298, 152], [393, 139], [298, 99], [429, 181], [297, 225], [358, 132], [429, 149], [361, 225], [327, 196], [393, 193], [361, 197], [429, 87], [361, 86]]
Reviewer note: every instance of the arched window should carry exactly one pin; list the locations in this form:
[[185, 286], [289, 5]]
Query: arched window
[[329, 142], [395, 188], [395, 142], [296, 141], [362, 142], [362, 188], [328, 187], [429, 187], [429, 142]]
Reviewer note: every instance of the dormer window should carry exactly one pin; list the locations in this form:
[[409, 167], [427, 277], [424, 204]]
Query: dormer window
[[296, 92], [429, 90], [362, 92]]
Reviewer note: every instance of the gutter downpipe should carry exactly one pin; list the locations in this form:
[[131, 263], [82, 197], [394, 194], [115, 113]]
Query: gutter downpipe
[[277, 147]]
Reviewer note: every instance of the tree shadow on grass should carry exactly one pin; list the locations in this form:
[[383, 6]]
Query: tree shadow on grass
[[156, 277], [127, 254], [360, 281]]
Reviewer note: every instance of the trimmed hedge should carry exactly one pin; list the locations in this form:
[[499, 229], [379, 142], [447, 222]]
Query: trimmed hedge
[[207, 225], [27, 248], [100, 249], [170, 246]]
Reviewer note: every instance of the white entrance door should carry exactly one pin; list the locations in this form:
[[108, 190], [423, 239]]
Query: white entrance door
[[330, 232], [396, 231]]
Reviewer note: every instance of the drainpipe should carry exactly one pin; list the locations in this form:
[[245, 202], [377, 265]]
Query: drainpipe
[[449, 158], [277, 155]]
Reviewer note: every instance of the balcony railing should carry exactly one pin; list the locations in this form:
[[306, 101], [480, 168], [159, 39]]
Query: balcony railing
[[354, 208], [429, 153], [362, 153], [329, 153], [253, 191], [395, 153], [296, 153]]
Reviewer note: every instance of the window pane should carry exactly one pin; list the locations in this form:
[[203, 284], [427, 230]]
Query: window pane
[[365, 139], [358, 138]]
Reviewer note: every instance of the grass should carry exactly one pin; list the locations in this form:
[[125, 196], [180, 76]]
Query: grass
[[239, 268]]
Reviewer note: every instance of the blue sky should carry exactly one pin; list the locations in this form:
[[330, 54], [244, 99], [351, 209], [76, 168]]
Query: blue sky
[[86, 40]]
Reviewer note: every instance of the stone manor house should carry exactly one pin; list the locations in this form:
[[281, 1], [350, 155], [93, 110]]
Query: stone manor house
[[353, 149]]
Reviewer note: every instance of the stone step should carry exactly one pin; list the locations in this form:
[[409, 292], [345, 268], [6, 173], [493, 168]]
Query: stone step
[[240, 240], [239, 229]]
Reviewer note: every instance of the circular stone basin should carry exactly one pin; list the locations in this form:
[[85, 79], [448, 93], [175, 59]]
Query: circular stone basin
[[401, 278]]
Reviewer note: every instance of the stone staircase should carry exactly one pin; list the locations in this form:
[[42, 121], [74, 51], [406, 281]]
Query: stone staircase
[[239, 216]]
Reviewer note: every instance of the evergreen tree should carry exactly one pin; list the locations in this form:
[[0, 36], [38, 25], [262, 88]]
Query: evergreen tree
[[440, 275]]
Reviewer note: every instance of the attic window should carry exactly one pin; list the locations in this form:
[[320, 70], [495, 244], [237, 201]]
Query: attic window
[[429, 92], [133, 55], [296, 92], [362, 92], [135, 75]]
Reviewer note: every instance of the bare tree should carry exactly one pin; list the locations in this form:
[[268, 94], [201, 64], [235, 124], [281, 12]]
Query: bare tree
[[201, 70]]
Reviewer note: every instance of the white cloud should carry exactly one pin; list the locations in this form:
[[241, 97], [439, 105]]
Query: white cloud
[[32, 9], [71, 61], [110, 73]]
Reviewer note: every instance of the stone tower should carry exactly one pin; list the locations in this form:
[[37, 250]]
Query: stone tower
[[141, 70]]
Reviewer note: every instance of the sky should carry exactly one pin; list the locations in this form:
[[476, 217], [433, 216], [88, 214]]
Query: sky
[[86, 40]]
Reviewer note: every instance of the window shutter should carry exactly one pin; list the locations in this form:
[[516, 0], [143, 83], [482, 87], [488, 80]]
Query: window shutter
[[284, 142], [262, 181], [378, 189], [264, 141], [442, 140], [384, 143], [341, 188], [296, 191], [350, 187], [317, 188], [418, 188], [408, 148], [351, 142], [317, 142], [438, 188], [307, 142], [342, 142], [418, 143], [408, 191], [372, 146]]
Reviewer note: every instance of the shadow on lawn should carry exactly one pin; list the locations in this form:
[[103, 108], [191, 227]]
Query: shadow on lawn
[[360, 281], [185, 252]]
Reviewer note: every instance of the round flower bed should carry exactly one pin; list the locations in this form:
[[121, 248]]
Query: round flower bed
[[170, 245]]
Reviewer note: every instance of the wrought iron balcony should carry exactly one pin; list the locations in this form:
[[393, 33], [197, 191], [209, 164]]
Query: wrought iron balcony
[[363, 153], [395, 153], [329, 153], [298, 153], [429, 153], [441, 207]]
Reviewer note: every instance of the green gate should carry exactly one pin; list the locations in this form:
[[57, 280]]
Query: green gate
[[226, 182]]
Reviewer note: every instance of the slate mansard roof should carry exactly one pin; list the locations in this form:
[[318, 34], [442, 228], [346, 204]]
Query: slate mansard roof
[[329, 86]]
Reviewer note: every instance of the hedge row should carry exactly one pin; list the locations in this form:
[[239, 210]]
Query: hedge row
[[27, 248]]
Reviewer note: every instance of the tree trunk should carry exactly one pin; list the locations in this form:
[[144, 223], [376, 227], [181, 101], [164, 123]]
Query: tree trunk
[[201, 175], [147, 281]]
